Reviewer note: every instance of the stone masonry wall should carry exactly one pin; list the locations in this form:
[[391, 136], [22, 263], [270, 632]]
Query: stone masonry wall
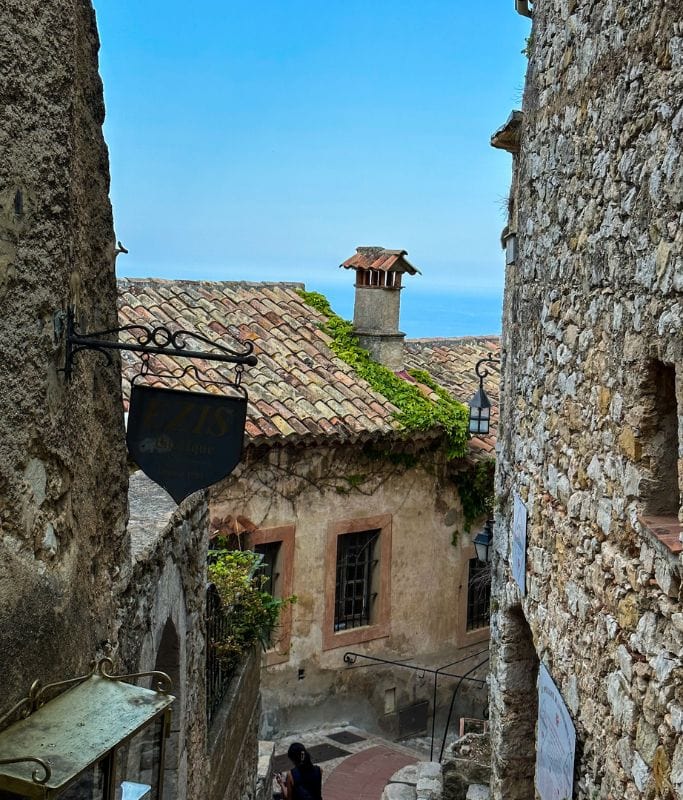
[[62, 467], [593, 313], [167, 590]]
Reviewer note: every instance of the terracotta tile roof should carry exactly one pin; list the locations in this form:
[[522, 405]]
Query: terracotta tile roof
[[451, 363], [381, 259], [299, 391]]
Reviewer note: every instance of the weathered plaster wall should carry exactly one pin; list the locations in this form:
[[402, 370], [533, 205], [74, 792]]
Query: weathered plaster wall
[[167, 593], [314, 489], [595, 296], [62, 469]]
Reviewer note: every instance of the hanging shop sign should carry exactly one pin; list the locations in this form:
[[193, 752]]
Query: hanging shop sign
[[182, 440], [555, 744], [185, 441]]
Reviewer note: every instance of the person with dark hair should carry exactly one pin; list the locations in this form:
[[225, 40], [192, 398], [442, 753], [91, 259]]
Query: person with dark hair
[[304, 781]]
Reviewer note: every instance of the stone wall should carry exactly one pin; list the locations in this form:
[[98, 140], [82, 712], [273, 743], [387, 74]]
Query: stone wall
[[233, 739], [62, 458], [592, 339], [162, 618], [309, 494]]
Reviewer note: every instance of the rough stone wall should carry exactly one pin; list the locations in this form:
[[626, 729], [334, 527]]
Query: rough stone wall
[[232, 764], [168, 588], [592, 303], [62, 468], [312, 489]]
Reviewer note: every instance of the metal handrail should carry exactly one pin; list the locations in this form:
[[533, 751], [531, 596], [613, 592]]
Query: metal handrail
[[350, 658]]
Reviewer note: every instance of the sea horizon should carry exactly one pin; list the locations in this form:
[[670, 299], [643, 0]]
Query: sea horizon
[[430, 315]]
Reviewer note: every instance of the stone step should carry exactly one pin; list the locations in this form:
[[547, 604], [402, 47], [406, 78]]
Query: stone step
[[478, 791], [421, 781]]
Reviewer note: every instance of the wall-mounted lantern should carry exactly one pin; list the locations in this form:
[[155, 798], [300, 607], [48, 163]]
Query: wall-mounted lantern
[[522, 7], [182, 440], [483, 541], [102, 738], [480, 405], [510, 242]]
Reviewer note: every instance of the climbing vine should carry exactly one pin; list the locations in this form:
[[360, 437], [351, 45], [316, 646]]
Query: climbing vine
[[415, 411], [475, 487]]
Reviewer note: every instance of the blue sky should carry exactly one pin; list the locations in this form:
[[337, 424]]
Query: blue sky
[[266, 140]]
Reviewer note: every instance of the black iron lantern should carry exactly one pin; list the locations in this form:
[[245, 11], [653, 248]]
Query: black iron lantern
[[480, 412], [480, 405], [483, 542]]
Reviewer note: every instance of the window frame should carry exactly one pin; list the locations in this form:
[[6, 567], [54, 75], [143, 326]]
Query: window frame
[[284, 534], [356, 591], [379, 626]]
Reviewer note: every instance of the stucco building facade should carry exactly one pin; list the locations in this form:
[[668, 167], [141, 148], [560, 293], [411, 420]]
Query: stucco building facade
[[592, 404]]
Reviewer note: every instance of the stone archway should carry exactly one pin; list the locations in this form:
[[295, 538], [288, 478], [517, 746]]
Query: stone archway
[[513, 706], [168, 661]]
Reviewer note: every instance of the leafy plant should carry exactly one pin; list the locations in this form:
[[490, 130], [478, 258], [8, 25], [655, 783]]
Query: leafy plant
[[252, 614], [415, 411]]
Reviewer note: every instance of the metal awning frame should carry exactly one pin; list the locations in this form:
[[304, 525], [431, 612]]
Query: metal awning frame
[[38, 786]]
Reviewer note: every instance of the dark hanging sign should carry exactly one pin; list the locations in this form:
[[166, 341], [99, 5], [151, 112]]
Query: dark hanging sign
[[185, 441]]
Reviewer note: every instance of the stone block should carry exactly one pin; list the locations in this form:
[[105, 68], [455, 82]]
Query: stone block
[[640, 771], [407, 774], [398, 791], [630, 444], [676, 774], [627, 612], [477, 791], [647, 740]]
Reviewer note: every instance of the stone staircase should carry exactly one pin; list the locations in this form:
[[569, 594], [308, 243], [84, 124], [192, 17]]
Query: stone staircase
[[424, 781], [421, 781]]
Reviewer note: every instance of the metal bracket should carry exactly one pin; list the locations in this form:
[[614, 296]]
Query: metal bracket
[[482, 372], [37, 693], [159, 340], [35, 775]]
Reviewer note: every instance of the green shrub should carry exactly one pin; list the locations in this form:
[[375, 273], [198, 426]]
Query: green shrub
[[251, 613]]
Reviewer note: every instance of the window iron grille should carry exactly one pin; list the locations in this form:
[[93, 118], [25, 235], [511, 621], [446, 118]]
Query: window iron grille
[[478, 595], [354, 595]]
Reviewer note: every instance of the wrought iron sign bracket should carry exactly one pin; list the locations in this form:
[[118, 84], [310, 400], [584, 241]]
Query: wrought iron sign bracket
[[157, 340], [481, 371]]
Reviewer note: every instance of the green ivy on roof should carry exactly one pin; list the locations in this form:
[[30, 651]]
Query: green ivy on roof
[[415, 411]]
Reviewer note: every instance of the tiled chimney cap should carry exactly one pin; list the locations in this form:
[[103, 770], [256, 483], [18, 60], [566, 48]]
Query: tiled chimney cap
[[381, 259]]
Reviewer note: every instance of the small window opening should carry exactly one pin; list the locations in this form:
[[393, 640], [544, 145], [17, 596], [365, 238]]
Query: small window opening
[[270, 567], [478, 595], [661, 494]]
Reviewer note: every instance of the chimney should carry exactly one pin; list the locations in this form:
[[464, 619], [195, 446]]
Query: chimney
[[378, 300]]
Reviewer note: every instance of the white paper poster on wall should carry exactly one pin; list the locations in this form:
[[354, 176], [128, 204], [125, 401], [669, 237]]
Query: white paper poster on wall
[[518, 555], [555, 744]]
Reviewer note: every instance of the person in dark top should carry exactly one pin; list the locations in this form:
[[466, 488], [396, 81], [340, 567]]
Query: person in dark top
[[304, 780]]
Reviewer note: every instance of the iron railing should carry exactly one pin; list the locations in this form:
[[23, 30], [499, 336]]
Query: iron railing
[[218, 675]]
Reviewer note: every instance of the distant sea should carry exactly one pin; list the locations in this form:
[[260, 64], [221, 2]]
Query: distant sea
[[429, 314]]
